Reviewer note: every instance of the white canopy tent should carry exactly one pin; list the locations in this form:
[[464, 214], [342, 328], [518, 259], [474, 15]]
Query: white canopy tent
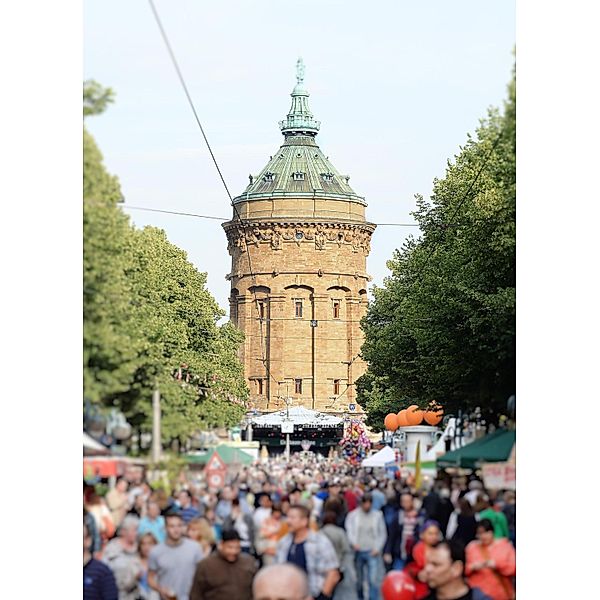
[[91, 446], [298, 415], [380, 459]]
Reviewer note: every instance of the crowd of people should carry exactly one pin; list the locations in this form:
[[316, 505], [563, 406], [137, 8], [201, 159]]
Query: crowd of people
[[309, 528]]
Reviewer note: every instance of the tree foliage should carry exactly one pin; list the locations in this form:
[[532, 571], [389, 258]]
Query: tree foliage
[[108, 349], [442, 327], [149, 320], [96, 98], [183, 351]]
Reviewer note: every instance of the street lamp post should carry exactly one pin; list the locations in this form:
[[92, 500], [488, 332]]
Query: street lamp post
[[287, 401]]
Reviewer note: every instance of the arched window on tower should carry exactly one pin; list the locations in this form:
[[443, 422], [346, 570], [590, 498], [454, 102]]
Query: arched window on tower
[[262, 309]]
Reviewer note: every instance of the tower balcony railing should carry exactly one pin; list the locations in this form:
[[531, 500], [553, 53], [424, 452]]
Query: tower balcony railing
[[299, 122]]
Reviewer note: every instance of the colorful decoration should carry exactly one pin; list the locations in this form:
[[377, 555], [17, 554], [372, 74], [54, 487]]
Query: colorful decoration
[[355, 444], [391, 422], [434, 414], [414, 416], [402, 421]]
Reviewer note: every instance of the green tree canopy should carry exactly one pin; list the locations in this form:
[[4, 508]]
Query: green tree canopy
[[108, 349], [183, 351], [442, 327], [148, 318]]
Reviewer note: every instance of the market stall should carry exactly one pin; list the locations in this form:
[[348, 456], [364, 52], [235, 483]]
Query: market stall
[[493, 448], [382, 458]]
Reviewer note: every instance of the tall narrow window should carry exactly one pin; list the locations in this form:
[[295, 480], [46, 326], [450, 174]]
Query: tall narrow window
[[298, 386], [336, 309], [336, 387], [262, 311], [298, 308], [260, 386]]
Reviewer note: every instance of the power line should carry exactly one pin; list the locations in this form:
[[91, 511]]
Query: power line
[[187, 94], [186, 214], [244, 223], [173, 212], [191, 103]]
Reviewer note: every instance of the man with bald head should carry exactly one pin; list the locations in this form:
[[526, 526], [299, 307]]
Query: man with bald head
[[281, 582]]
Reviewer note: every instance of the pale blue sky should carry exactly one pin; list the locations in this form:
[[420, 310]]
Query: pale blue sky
[[396, 86]]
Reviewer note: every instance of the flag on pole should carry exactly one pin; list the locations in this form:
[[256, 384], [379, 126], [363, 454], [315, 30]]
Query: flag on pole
[[418, 478]]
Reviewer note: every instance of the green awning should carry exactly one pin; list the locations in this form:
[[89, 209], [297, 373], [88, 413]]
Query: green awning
[[495, 447], [228, 454]]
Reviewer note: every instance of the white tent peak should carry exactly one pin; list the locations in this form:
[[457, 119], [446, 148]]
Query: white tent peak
[[382, 458]]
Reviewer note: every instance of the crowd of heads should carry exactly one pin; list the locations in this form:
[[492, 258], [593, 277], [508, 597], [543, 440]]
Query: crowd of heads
[[262, 503]]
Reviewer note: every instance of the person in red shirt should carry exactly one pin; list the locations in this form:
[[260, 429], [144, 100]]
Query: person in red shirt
[[429, 536], [350, 495], [491, 563]]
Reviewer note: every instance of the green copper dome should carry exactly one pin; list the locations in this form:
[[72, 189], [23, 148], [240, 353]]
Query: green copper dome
[[299, 168]]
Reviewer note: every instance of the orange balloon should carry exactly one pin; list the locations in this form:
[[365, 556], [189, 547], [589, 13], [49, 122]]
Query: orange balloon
[[434, 414], [402, 422], [414, 416], [391, 422]]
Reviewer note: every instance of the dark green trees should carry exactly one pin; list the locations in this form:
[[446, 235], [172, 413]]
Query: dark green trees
[[443, 325], [148, 318]]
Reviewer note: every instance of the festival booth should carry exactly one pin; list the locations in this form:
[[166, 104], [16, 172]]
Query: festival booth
[[96, 468], [383, 458], [307, 429], [229, 455], [495, 447]]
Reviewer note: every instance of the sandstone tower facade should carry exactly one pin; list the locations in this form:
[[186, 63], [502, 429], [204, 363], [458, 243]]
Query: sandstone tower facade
[[299, 241]]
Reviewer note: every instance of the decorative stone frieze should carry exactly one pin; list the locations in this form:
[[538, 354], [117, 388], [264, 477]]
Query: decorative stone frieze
[[321, 235]]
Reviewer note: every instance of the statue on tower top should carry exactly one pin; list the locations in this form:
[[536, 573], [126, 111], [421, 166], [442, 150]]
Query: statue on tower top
[[300, 70]]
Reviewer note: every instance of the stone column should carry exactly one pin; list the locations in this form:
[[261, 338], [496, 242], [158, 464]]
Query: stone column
[[353, 328], [320, 354], [275, 388]]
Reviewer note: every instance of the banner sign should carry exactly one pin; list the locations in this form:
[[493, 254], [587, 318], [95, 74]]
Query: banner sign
[[499, 476]]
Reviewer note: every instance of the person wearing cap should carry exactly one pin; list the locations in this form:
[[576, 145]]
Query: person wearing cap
[[226, 574], [475, 489], [367, 535]]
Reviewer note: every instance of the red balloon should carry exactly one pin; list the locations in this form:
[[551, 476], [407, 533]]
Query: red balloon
[[398, 585]]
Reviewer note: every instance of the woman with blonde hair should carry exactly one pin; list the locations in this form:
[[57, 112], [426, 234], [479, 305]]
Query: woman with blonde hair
[[201, 531]]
